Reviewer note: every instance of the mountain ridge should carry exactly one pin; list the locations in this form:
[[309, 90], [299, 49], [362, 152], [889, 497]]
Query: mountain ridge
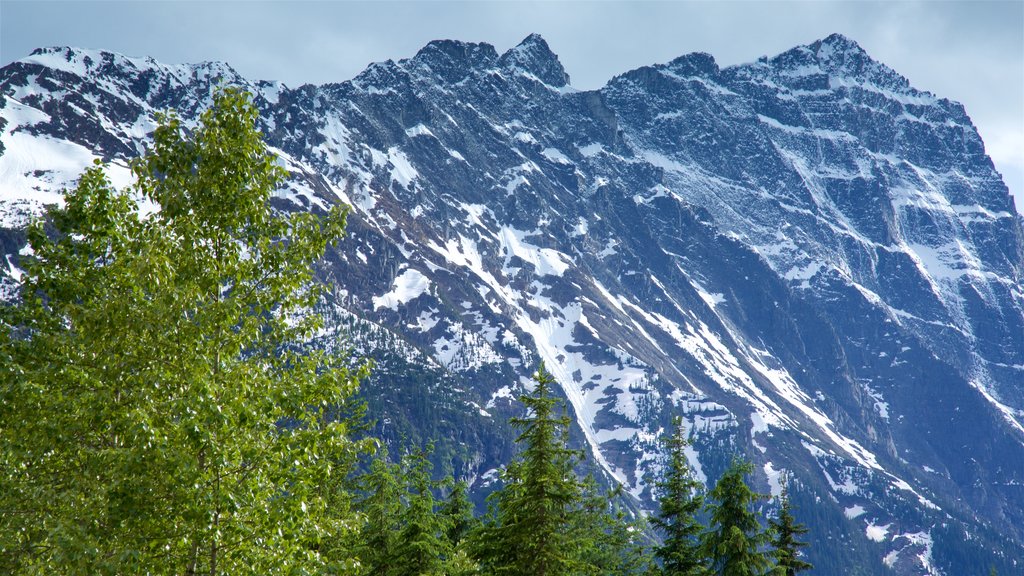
[[631, 235]]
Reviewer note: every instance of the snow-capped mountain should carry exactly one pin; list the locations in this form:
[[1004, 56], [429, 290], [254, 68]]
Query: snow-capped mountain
[[813, 263]]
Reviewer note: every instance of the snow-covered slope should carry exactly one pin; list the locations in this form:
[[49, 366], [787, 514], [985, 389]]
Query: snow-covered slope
[[813, 263]]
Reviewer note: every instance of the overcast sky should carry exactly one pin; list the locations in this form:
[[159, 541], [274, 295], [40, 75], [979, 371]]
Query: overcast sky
[[969, 51]]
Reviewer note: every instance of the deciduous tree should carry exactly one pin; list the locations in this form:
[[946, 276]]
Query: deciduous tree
[[158, 412]]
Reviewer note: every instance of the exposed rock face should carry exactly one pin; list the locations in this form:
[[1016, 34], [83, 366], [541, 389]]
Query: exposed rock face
[[811, 261]]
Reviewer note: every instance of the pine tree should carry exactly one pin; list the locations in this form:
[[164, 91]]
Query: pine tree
[[457, 512], [679, 504], [158, 411], [785, 532], [528, 531], [422, 546], [459, 521], [382, 507], [735, 541], [610, 544]]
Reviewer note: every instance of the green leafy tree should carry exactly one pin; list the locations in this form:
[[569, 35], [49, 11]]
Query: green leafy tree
[[529, 529], [158, 412], [734, 540], [785, 538], [679, 504]]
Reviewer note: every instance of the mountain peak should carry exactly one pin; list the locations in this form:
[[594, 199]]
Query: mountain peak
[[533, 55], [839, 43], [836, 56], [840, 55], [90, 62], [65, 58], [694, 64], [453, 59]]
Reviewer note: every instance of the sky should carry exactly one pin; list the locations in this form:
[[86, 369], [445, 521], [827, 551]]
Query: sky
[[968, 51]]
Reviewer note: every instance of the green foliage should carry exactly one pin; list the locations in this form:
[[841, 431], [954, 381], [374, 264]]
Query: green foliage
[[544, 520], [785, 532], [422, 546], [528, 531], [610, 544], [459, 521], [734, 540], [458, 515], [381, 506], [681, 501], [156, 412]]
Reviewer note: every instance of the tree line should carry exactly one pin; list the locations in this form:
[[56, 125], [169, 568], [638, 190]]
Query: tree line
[[160, 414], [546, 520]]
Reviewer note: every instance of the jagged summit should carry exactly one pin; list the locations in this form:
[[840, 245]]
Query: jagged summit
[[835, 57], [840, 43], [534, 56], [811, 267], [91, 62], [694, 64], [452, 60]]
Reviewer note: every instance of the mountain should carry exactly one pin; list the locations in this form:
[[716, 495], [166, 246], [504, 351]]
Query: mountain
[[813, 263]]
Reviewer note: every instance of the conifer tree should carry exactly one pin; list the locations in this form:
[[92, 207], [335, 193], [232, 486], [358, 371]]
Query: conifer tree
[[528, 531], [735, 541], [610, 544], [679, 504], [459, 521], [457, 512], [785, 533], [378, 541], [422, 546]]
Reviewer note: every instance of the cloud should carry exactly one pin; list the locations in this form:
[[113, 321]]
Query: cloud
[[971, 52]]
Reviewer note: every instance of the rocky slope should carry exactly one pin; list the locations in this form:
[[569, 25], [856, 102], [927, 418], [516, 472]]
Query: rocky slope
[[813, 263]]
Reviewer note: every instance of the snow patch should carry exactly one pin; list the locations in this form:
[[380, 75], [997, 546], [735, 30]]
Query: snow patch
[[853, 511], [407, 286], [876, 533]]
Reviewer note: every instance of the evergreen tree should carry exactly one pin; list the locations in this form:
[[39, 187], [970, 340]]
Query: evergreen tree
[[735, 541], [679, 504], [457, 512], [381, 506], [528, 531], [610, 544], [785, 531], [459, 521], [422, 546], [149, 367]]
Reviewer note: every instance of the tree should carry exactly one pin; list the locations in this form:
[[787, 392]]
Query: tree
[[457, 512], [382, 510], [679, 504], [734, 540], [158, 412], [422, 546], [528, 531], [459, 521], [608, 542], [785, 533]]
